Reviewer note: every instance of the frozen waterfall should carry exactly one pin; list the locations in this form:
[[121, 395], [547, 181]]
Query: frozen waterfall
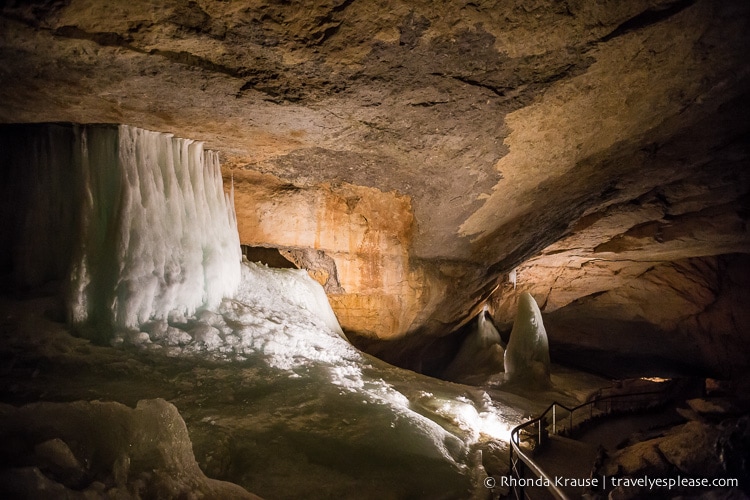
[[135, 222]]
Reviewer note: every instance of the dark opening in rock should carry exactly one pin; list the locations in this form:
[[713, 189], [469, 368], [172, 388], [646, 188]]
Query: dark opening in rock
[[268, 256]]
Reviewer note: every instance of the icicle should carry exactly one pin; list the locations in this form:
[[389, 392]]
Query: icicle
[[512, 276]]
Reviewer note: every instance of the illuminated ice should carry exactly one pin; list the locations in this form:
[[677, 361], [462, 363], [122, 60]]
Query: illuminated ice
[[156, 256], [157, 233], [281, 319], [527, 359], [135, 223]]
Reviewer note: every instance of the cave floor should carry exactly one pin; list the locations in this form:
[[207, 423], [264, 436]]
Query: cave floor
[[249, 424]]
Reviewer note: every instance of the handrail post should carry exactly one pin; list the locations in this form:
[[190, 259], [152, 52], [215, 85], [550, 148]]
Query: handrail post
[[554, 418], [520, 461], [540, 431], [570, 429]]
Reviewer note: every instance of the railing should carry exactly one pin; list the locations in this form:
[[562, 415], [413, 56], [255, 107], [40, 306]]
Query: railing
[[565, 424]]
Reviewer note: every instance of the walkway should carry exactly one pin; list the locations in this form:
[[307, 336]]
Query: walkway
[[569, 458]]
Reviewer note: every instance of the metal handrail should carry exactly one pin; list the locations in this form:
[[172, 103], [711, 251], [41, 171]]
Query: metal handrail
[[515, 441]]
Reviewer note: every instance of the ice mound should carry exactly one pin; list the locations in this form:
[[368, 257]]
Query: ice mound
[[481, 354], [102, 450], [280, 314], [527, 359], [280, 319]]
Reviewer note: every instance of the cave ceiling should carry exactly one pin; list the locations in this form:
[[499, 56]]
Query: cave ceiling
[[493, 129]]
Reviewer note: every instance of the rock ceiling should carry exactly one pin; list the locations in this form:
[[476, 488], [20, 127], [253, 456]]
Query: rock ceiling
[[429, 148]]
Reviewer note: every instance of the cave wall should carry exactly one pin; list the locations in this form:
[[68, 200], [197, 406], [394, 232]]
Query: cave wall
[[363, 232], [661, 276], [686, 316], [426, 149], [689, 315]]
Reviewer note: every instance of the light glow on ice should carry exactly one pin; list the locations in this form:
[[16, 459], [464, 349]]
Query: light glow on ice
[[157, 233], [155, 255], [479, 423], [279, 318]]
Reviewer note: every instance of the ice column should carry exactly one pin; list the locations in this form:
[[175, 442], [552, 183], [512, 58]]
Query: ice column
[[527, 355], [157, 233], [480, 355], [135, 223]]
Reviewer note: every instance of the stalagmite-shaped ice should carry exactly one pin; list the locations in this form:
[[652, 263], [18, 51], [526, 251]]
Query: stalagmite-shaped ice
[[480, 356], [527, 355]]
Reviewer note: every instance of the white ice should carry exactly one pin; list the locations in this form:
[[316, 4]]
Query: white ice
[[281, 319], [527, 359], [156, 257], [157, 234], [513, 277]]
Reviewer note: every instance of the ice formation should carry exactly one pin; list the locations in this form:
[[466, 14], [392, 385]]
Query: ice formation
[[281, 318], [527, 355], [155, 253], [279, 323], [103, 450], [480, 356], [137, 222], [513, 277]]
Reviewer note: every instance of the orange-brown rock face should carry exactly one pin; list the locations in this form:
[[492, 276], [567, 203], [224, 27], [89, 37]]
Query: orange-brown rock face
[[366, 232]]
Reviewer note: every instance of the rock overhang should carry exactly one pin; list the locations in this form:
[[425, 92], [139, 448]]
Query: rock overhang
[[485, 129]]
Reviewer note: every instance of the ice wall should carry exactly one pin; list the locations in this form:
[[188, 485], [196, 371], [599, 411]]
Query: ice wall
[[136, 223], [527, 355]]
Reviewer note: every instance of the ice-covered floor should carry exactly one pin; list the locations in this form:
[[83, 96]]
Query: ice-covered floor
[[277, 401], [274, 397]]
